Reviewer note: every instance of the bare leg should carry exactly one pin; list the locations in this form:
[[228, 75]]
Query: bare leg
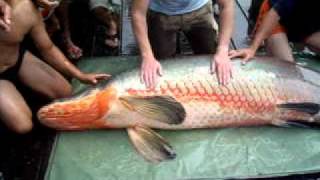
[[43, 78], [14, 111], [313, 42], [278, 46]]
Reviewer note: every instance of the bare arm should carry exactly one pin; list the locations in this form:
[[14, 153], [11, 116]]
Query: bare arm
[[55, 57], [268, 23], [150, 67], [140, 28], [221, 59], [63, 15], [71, 49], [226, 23]]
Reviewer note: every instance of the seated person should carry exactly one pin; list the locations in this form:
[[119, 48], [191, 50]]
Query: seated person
[[107, 12], [16, 63], [281, 21]]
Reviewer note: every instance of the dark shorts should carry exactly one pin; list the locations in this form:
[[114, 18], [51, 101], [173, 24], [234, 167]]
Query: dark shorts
[[299, 17], [11, 74], [198, 26]]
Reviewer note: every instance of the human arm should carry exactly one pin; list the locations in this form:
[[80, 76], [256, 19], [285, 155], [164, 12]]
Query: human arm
[[55, 57], [150, 67], [268, 23], [5, 15], [221, 62]]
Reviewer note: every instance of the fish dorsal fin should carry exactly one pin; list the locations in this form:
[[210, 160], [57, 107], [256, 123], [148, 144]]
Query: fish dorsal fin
[[306, 107], [150, 145], [162, 108]]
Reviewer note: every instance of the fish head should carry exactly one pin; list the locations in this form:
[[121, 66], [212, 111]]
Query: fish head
[[85, 111]]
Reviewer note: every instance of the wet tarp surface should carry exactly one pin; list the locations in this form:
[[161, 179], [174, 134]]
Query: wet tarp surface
[[201, 154]]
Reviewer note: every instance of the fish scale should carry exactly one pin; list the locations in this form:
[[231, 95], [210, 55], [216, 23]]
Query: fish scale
[[212, 104]]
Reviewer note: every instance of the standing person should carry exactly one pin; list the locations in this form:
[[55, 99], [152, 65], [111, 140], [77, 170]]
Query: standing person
[[157, 22], [281, 21], [16, 63]]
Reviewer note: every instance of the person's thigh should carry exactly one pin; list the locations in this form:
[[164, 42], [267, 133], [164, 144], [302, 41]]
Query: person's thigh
[[14, 111], [200, 31], [42, 78], [278, 46], [162, 32], [313, 42]]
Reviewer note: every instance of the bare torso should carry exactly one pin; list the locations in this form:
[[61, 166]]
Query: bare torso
[[22, 20]]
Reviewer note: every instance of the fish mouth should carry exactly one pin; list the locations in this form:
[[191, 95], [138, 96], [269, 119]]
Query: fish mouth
[[53, 111]]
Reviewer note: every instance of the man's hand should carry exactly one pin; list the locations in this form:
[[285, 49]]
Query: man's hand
[[221, 65], [150, 72], [93, 78], [5, 15], [247, 54]]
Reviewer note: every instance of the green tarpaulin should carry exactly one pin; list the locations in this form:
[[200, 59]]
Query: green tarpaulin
[[202, 154]]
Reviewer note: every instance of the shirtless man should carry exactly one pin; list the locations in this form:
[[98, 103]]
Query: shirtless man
[[18, 64]]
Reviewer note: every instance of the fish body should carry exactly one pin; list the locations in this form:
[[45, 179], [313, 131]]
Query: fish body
[[263, 92]]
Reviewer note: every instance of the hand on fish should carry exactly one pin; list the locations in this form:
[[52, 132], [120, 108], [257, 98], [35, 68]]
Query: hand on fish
[[246, 54], [150, 72], [221, 65], [93, 78]]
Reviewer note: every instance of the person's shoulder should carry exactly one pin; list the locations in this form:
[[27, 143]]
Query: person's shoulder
[[28, 12], [25, 8]]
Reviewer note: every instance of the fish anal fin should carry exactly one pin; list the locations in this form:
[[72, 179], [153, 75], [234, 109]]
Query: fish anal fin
[[162, 108], [150, 145], [305, 107]]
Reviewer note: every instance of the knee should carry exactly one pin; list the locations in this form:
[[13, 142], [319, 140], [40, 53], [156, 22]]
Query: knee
[[61, 92], [23, 127]]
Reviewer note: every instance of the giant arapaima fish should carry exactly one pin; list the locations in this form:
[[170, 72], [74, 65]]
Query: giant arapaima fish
[[263, 92]]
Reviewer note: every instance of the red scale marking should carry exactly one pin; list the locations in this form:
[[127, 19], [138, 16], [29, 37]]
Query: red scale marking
[[224, 99]]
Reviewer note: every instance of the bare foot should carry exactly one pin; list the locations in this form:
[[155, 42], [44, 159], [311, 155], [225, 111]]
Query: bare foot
[[73, 51]]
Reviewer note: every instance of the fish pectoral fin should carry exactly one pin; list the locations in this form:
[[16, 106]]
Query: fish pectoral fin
[[306, 107], [162, 108], [150, 145]]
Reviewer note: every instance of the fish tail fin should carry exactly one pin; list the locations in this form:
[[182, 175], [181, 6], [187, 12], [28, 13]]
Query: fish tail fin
[[310, 111]]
